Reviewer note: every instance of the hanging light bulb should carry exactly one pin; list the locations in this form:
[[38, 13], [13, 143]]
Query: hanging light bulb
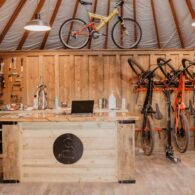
[[193, 22], [37, 24]]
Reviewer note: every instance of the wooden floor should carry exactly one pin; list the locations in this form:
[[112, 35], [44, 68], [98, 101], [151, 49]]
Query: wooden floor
[[155, 176]]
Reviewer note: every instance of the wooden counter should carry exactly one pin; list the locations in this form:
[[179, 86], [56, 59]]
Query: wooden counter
[[29, 140]]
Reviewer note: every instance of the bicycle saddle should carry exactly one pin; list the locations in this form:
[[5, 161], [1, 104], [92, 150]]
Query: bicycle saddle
[[85, 3]]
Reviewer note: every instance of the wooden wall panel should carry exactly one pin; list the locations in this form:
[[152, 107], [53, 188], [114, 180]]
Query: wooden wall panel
[[67, 78], [48, 72], [81, 77], [88, 74], [32, 77]]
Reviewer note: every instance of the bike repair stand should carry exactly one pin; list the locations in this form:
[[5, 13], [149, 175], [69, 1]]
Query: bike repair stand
[[169, 152]]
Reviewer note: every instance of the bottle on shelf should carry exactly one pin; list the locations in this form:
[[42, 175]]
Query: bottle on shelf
[[112, 102], [57, 104], [35, 102]]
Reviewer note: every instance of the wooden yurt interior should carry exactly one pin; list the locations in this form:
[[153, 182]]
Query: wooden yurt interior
[[97, 97]]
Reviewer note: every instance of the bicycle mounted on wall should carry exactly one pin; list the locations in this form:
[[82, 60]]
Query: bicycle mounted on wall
[[75, 33], [146, 79], [174, 80], [181, 131]]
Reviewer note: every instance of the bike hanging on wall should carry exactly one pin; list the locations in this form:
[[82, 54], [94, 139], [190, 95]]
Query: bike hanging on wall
[[181, 131], [75, 33], [146, 79]]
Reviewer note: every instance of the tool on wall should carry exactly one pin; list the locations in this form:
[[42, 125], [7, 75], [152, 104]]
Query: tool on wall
[[41, 95]]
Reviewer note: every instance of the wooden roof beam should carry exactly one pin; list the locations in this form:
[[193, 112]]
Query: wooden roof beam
[[135, 18], [26, 33], [192, 12], [12, 19], [107, 26], [155, 24], [58, 3], [73, 16], [176, 23], [2, 2], [94, 11]]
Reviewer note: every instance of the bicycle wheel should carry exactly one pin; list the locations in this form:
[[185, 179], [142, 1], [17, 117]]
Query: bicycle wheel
[[74, 33], [147, 138], [136, 67], [182, 133], [126, 36]]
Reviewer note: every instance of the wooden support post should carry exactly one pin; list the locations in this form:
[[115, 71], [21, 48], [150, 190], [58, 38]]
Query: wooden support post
[[192, 12], [12, 19], [58, 3], [176, 23], [2, 2], [107, 27], [94, 11], [155, 23]]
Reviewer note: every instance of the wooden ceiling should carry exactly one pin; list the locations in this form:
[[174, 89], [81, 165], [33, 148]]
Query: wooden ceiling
[[41, 3]]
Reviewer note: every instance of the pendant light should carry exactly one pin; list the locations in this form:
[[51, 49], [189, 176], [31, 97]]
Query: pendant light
[[37, 24], [193, 22]]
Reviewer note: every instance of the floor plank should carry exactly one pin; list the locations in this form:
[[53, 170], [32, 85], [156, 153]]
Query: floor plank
[[155, 175]]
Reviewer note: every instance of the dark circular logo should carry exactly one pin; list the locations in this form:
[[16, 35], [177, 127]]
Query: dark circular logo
[[67, 148]]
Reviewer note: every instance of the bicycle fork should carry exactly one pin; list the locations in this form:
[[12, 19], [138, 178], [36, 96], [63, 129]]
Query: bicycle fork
[[169, 148]]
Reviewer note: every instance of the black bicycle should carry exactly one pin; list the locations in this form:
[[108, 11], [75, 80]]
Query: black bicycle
[[146, 79]]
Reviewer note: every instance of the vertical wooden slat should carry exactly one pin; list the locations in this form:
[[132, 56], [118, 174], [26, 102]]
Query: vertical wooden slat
[[12, 19], [176, 23], [94, 11], [26, 33], [107, 26], [58, 3], [155, 23], [48, 73]]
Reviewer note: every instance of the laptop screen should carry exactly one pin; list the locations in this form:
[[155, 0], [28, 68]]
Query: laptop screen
[[82, 107]]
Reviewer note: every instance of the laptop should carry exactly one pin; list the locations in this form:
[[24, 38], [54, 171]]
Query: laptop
[[82, 107]]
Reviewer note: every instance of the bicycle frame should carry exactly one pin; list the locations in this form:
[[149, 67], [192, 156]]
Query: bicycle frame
[[179, 104], [104, 19]]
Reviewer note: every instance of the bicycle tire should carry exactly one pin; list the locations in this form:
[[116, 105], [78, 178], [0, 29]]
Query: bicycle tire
[[180, 148], [133, 23], [65, 40], [186, 71], [133, 64], [167, 75], [147, 140]]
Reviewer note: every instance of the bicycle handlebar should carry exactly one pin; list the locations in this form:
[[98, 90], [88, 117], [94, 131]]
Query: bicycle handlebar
[[119, 3], [144, 74], [165, 62], [185, 68]]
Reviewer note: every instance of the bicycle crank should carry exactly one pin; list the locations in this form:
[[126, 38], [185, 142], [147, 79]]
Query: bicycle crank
[[170, 155], [96, 34]]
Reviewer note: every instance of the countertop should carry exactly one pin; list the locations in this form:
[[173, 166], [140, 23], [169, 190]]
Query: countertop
[[52, 116]]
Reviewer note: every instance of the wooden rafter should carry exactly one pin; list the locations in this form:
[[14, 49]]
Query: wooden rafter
[[121, 30], [94, 11], [107, 26], [135, 18], [58, 3], [26, 33], [192, 12], [155, 23], [2, 2], [176, 23], [73, 16], [12, 19]]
